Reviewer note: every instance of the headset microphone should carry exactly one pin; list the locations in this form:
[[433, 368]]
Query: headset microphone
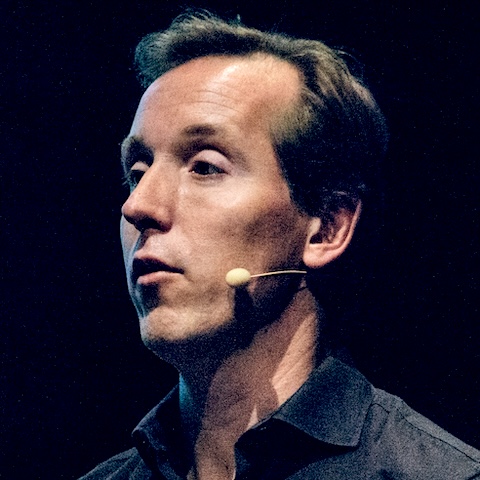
[[239, 277]]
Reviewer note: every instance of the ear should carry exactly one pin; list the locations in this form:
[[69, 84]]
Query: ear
[[325, 245]]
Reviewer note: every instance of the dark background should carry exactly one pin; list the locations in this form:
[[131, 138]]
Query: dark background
[[75, 377]]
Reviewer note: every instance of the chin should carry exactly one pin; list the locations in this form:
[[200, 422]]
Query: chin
[[180, 341], [162, 329]]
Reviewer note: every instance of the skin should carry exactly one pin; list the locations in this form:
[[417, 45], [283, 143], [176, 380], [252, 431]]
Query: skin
[[207, 195]]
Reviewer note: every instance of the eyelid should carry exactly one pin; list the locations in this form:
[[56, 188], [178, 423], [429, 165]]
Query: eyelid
[[212, 156], [206, 169]]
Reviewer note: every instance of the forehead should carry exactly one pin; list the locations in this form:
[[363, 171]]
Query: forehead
[[251, 92]]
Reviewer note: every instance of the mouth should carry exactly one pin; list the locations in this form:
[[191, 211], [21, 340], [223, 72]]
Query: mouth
[[148, 270]]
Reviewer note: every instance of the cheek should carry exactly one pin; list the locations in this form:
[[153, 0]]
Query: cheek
[[281, 228], [268, 227], [128, 236]]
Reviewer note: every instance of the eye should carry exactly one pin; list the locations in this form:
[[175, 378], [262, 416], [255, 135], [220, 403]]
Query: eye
[[207, 162], [205, 168], [132, 178]]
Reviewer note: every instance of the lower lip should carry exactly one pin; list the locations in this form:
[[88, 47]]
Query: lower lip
[[155, 277]]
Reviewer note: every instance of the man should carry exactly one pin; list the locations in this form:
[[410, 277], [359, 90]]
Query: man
[[253, 150]]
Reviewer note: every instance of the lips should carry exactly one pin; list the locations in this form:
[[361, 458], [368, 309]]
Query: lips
[[143, 267]]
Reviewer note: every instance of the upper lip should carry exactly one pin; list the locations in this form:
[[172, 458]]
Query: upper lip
[[143, 266]]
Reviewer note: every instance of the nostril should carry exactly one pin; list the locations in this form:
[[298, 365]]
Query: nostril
[[147, 222]]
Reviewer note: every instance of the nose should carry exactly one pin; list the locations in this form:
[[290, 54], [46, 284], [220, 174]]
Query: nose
[[151, 203]]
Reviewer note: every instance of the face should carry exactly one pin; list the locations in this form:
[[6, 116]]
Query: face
[[207, 195]]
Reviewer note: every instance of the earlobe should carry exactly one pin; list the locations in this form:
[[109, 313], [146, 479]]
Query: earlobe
[[322, 245]]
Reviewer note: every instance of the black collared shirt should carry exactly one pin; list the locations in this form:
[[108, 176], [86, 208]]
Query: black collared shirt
[[336, 427]]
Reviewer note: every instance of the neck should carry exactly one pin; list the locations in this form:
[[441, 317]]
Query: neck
[[218, 404]]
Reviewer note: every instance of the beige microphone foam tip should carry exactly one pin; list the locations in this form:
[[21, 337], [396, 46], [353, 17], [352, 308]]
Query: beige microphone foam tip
[[238, 277]]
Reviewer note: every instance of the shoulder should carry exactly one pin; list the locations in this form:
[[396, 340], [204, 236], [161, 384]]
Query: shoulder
[[404, 440], [125, 465]]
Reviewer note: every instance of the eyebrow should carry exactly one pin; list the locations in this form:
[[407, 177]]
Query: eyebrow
[[202, 131], [220, 136], [134, 149]]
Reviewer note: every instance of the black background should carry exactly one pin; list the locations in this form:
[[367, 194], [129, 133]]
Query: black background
[[75, 377]]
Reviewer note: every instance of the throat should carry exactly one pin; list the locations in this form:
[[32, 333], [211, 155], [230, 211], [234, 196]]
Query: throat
[[246, 388], [212, 462]]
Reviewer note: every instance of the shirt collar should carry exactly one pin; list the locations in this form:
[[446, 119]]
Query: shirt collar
[[158, 434], [332, 405]]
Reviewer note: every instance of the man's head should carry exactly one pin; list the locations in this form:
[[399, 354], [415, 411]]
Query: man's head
[[230, 163], [329, 142]]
